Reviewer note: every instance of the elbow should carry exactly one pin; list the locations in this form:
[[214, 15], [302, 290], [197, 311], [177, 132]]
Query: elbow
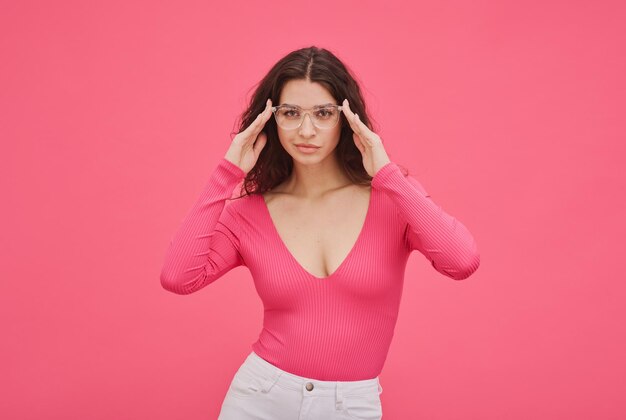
[[174, 286], [469, 268], [169, 285], [184, 286]]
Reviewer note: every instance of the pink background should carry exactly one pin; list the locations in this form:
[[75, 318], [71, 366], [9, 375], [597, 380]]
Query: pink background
[[511, 114]]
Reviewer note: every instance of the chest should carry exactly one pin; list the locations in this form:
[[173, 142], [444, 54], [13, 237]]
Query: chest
[[319, 236]]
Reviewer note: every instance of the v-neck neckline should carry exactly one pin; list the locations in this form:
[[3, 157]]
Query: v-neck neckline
[[343, 263]]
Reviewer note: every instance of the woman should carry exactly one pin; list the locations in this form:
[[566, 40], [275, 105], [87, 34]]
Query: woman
[[325, 226]]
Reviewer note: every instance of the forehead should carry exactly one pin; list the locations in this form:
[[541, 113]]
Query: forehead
[[305, 94]]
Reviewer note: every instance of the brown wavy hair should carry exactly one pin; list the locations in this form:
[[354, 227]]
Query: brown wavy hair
[[313, 64]]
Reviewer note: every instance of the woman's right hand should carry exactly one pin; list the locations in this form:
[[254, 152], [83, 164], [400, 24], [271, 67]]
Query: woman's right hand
[[247, 145]]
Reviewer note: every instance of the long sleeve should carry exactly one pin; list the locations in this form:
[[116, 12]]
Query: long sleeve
[[206, 245], [445, 241]]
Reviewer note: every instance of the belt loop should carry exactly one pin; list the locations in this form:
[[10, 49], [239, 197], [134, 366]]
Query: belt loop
[[339, 395], [268, 383]]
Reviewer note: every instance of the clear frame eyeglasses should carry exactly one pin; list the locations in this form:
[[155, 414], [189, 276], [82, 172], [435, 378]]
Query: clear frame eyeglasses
[[290, 117]]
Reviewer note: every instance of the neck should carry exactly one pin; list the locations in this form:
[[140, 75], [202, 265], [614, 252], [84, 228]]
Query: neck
[[311, 181]]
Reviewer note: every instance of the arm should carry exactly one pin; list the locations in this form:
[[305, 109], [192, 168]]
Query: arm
[[441, 238], [206, 245]]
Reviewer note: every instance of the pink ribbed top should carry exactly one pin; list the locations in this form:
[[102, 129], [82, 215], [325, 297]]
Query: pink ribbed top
[[333, 328]]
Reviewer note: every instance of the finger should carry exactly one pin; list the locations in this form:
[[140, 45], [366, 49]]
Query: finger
[[353, 119], [363, 128], [359, 127], [266, 113], [259, 144], [349, 115], [364, 132], [260, 120], [357, 142]]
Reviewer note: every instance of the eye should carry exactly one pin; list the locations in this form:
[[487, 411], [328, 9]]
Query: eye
[[289, 112], [325, 112]]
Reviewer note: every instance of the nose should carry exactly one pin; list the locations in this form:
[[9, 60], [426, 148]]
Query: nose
[[307, 127]]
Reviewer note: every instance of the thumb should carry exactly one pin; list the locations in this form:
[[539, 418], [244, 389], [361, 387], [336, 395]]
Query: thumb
[[357, 142], [260, 142]]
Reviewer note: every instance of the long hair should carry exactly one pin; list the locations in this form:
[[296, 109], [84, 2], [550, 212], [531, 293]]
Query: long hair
[[313, 64]]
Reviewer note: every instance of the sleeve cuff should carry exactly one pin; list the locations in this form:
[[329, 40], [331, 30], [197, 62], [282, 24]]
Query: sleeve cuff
[[231, 168], [383, 174]]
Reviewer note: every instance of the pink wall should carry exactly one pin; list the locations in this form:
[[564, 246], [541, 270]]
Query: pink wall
[[511, 114]]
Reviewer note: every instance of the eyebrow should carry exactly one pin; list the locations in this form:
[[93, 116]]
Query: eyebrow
[[316, 106]]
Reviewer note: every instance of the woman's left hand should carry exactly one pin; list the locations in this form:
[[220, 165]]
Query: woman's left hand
[[369, 143]]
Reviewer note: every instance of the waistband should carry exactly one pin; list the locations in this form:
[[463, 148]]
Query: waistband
[[272, 375]]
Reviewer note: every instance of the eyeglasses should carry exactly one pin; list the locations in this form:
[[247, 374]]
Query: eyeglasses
[[291, 117]]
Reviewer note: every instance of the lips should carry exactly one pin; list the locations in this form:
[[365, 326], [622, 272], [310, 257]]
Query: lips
[[308, 146]]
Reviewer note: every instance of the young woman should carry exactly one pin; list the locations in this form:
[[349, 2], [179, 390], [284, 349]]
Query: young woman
[[325, 226]]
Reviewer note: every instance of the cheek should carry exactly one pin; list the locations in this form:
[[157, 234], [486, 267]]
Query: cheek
[[336, 136]]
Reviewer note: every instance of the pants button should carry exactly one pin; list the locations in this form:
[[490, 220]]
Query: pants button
[[309, 386]]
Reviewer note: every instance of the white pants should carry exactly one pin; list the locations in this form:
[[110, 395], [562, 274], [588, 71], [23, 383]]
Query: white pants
[[262, 391]]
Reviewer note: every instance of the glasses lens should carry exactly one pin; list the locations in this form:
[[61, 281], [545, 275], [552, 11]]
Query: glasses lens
[[326, 117], [290, 118]]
